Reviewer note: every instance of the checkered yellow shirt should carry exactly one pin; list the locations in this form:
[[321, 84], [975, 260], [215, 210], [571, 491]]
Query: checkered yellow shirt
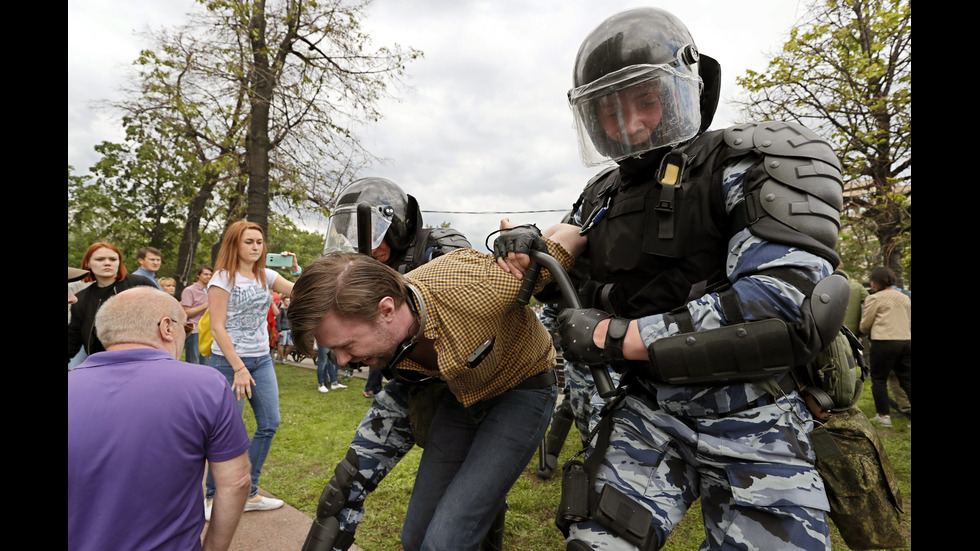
[[469, 299]]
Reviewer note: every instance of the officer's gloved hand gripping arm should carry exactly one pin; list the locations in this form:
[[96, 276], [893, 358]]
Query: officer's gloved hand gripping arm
[[585, 332], [515, 242]]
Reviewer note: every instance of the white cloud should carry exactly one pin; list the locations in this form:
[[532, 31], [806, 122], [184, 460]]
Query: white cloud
[[486, 126]]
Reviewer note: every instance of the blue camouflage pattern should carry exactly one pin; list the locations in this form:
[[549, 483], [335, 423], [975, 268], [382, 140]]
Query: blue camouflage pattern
[[583, 397], [753, 471], [579, 387], [381, 441], [747, 456]]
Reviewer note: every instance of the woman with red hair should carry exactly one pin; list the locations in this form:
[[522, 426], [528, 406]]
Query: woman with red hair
[[239, 295], [104, 263]]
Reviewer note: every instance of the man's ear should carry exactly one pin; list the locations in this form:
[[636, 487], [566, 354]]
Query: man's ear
[[166, 329], [386, 309]]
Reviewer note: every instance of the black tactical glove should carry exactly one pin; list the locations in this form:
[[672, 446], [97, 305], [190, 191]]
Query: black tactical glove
[[577, 327], [519, 239], [577, 339]]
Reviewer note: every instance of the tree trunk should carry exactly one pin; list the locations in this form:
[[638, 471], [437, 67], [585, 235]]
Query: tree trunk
[[192, 230], [257, 141]]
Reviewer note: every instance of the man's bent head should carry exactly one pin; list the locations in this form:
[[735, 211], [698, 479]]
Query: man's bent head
[[351, 286]]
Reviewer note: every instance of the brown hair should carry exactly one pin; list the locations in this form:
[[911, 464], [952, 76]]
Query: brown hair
[[87, 259], [228, 255], [347, 284], [141, 255]]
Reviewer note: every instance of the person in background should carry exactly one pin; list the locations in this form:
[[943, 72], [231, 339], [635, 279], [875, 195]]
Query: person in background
[[194, 300], [105, 263], [887, 318], [149, 260], [169, 285], [326, 371], [285, 342], [239, 295]]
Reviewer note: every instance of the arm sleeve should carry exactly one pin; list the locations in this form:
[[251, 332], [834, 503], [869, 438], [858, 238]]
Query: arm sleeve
[[75, 331], [868, 313], [222, 280], [185, 297]]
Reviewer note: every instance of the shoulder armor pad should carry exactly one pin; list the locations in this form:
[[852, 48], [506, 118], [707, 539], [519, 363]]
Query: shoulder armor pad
[[828, 304], [447, 239], [600, 175], [599, 183], [795, 194]]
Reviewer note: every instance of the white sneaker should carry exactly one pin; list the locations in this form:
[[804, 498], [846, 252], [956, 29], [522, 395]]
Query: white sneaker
[[335, 386], [263, 504], [883, 420], [207, 509], [323, 388]]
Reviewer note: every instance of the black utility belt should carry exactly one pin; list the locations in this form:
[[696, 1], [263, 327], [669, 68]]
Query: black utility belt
[[541, 380]]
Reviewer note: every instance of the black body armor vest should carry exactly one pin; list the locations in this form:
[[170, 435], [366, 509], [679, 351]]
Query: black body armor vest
[[656, 246]]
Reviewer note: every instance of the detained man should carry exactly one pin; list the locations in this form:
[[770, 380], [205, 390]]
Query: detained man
[[456, 319]]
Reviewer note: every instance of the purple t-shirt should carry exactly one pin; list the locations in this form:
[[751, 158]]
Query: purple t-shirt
[[140, 426]]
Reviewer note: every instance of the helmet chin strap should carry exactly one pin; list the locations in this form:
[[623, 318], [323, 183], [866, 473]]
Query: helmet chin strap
[[417, 306]]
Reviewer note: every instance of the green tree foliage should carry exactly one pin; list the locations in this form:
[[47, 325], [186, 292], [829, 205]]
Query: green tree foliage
[[266, 94], [134, 196], [285, 236], [846, 72]]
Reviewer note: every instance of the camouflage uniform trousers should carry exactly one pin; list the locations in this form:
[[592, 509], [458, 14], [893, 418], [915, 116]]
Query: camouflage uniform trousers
[[753, 471], [581, 393], [381, 441]]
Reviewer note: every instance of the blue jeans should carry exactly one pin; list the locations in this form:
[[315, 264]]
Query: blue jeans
[[326, 371], [192, 353], [374, 380], [265, 404], [472, 457]]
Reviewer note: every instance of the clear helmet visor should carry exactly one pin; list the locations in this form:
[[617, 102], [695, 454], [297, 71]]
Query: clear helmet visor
[[634, 110], [342, 228]]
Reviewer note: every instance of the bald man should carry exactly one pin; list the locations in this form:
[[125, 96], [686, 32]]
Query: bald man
[[141, 426]]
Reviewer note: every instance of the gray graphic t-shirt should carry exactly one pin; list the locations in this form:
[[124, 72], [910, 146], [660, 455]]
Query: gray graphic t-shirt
[[248, 310]]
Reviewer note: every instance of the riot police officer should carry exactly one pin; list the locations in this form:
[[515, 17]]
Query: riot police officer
[[398, 236], [709, 257]]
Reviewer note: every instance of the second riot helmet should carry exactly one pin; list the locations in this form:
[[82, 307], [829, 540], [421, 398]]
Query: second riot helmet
[[394, 216]]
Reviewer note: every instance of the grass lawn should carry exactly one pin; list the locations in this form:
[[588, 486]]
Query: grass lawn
[[317, 428]]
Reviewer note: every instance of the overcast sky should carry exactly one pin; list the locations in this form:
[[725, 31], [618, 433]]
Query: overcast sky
[[486, 125]]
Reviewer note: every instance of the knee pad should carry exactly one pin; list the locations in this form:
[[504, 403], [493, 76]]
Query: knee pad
[[336, 492], [577, 545]]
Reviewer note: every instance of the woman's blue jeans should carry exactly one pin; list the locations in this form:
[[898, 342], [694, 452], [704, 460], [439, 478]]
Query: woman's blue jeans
[[265, 405]]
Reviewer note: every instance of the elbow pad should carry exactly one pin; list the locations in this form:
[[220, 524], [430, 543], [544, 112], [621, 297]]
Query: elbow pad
[[748, 351]]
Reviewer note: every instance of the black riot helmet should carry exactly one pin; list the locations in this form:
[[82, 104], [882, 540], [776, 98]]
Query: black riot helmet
[[640, 84], [395, 216]]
